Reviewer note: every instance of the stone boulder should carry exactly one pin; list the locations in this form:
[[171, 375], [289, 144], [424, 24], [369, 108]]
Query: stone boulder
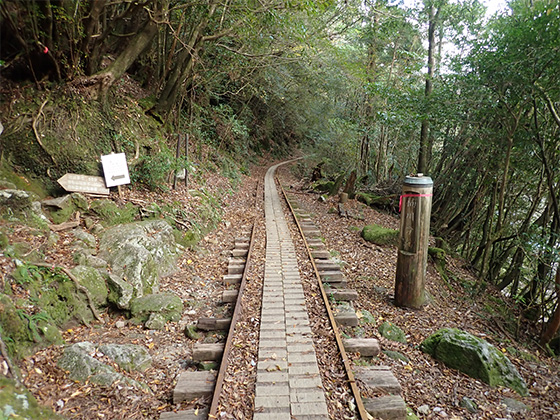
[[392, 332], [94, 282], [79, 361], [129, 357], [18, 403], [22, 204], [167, 305], [140, 253], [475, 357]]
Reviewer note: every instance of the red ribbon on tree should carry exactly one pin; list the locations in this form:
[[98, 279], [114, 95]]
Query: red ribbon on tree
[[411, 195]]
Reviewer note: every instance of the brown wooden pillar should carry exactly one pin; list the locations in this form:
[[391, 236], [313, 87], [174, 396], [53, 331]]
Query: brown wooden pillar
[[416, 206]]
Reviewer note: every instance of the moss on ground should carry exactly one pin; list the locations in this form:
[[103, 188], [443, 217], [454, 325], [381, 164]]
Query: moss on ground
[[380, 235]]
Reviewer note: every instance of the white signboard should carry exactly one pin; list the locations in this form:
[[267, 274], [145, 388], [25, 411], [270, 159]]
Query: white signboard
[[84, 183], [115, 169]]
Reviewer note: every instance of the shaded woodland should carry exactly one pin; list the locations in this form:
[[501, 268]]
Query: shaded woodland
[[372, 88]]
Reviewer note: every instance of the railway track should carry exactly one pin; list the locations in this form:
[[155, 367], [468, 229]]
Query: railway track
[[288, 339]]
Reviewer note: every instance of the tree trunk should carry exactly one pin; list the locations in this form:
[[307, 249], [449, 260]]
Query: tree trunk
[[424, 151], [184, 65], [554, 322], [107, 77]]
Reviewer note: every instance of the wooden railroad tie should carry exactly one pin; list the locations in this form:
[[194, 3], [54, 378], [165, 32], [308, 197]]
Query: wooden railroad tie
[[203, 352], [367, 347], [343, 295], [213, 324], [190, 414], [229, 296], [193, 385]]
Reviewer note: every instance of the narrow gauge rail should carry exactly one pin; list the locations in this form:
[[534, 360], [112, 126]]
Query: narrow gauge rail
[[288, 381]]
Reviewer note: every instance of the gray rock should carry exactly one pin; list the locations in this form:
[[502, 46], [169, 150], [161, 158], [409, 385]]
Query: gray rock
[[140, 253], [469, 404], [120, 292], [423, 409], [392, 332], [155, 322], [474, 357], [367, 317], [78, 360], [94, 261], [93, 281], [17, 200], [395, 355], [79, 201], [129, 357], [60, 202], [7, 185], [515, 406], [87, 239], [81, 366], [168, 305]]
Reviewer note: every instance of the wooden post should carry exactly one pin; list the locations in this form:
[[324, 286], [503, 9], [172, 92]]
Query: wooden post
[[187, 161], [416, 206], [177, 155]]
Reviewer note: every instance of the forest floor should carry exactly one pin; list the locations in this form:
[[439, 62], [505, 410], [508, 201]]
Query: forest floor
[[429, 388]]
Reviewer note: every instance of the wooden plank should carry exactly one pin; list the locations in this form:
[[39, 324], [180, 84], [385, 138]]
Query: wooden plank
[[236, 268], [191, 414], [322, 255], [229, 296], [240, 252], [331, 276], [347, 319], [379, 378], [84, 184], [327, 265], [193, 385], [345, 295], [390, 407], [232, 278], [213, 324], [206, 352], [367, 347]]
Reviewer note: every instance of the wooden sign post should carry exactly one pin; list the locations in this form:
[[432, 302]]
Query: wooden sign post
[[84, 183], [416, 207]]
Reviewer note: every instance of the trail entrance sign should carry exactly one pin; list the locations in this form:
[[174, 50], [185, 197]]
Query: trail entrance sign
[[84, 183], [115, 169]]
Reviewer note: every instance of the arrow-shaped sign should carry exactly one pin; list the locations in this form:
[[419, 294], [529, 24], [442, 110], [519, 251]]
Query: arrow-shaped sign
[[115, 169], [84, 183]]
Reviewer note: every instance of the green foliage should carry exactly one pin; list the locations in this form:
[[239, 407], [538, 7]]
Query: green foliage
[[111, 214]]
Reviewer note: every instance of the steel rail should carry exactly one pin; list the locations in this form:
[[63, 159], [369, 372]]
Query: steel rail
[[364, 415], [213, 411]]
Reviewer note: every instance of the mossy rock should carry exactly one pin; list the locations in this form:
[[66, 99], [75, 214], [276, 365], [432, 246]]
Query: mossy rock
[[55, 294], [140, 252], [111, 214], [168, 305], [18, 403], [81, 366], [380, 235], [371, 200], [395, 355], [392, 332], [366, 317], [129, 357], [323, 186], [23, 332], [94, 282], [475, 357]]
